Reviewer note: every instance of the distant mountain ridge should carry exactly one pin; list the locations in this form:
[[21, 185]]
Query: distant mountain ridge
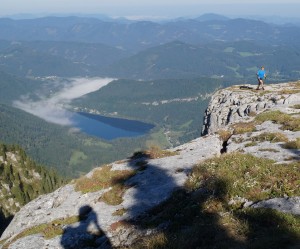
[[139, 35], [210, 45]]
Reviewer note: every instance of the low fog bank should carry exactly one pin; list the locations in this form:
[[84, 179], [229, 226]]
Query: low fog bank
[[53, 108]]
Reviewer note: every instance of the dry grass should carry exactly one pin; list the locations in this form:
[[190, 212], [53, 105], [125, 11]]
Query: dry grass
[[224, 134], [119, 212], [271, 137], [295, 144], [48, 230], [241, 128], [115, 195], [103, 178], [250, 144], [156, 152], [288, 91], [288, 122]]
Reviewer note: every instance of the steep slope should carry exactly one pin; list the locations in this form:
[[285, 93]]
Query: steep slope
[[21, 181], [220, 201]]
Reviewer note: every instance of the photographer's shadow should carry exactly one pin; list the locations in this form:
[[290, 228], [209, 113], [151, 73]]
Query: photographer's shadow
[[88, 234]]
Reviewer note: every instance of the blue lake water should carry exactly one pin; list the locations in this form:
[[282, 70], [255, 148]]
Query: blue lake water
[[109, 128]]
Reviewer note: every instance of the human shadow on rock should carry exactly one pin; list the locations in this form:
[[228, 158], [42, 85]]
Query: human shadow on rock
[[88, 234]]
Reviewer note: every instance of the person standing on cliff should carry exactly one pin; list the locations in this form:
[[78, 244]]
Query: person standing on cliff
[[261, 75]]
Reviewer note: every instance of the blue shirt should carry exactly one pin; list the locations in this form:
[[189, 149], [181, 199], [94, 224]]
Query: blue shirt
[[261, 74]]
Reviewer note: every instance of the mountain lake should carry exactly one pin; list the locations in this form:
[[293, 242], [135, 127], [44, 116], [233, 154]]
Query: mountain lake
[[109, 128]]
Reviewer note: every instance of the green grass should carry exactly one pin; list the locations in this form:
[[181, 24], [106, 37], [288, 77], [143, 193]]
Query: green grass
[[48, 230], [294, 144], [199, 216], [103, 178], [247, 176], [286, 121], [241, 128], [250, 144], [270, 137]]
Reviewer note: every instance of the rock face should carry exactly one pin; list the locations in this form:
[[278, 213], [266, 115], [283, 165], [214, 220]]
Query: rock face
[[239, 103], [104, 224]]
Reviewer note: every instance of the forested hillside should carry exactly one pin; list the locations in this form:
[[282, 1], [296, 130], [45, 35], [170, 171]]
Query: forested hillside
[[21, 180], [70, 152]]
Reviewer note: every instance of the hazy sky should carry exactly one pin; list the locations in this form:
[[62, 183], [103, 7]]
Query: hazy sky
[[167, 8]]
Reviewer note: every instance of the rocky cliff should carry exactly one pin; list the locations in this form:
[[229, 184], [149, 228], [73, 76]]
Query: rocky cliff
[[109, 206]]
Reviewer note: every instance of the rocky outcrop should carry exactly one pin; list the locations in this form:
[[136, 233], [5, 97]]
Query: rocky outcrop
[[155, 179], [240, 103]]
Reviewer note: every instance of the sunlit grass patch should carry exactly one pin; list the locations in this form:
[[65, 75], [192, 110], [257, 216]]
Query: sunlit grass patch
[[154, 152], [270, 137], [241, 128], [115, 195], [246, 176], [250, 144], [224, 134], [288, 122], [103, 178], [48, 230]]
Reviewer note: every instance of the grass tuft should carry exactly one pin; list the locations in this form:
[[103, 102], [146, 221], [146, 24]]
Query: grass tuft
[[49, 230], [271, 137], [103, 178], [295, 144], [224, 134], [288, 122], [241, 128]]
